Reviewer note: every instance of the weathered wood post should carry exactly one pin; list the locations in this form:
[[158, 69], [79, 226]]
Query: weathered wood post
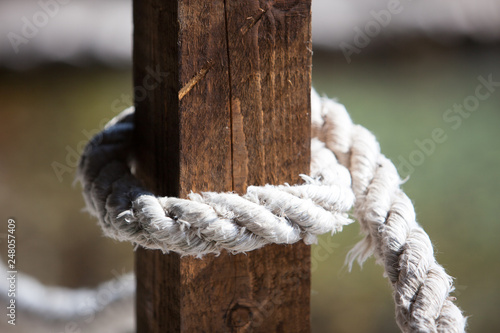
[[223, 101]]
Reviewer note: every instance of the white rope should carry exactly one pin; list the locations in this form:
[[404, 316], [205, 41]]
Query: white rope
[[347, 168], [209, 222], [65, 303], [47, 309], [387, 217]]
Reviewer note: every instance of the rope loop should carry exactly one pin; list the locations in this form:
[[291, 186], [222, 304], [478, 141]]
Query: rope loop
[[348, 172]]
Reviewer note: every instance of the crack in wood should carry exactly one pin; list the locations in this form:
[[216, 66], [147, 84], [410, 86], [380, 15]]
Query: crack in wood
[[230, 91]]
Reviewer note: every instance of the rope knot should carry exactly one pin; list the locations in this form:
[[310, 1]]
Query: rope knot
[[347, 171]]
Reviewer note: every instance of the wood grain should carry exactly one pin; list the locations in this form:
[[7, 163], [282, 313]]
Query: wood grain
[[231, 109]]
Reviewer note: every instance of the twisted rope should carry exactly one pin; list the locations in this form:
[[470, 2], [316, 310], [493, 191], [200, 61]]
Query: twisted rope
[[208, 222], [64, 304], [347, 169]]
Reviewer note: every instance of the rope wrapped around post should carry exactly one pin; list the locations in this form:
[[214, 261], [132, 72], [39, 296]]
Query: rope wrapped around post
[[347, 171]]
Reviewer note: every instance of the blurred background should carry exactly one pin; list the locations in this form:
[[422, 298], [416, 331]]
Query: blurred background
[[404, 69]]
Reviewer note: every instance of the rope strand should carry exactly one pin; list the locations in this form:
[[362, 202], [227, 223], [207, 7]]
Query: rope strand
[[387, 218]]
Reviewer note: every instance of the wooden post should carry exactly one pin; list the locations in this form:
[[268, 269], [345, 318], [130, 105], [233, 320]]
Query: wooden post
[[223, 98]]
